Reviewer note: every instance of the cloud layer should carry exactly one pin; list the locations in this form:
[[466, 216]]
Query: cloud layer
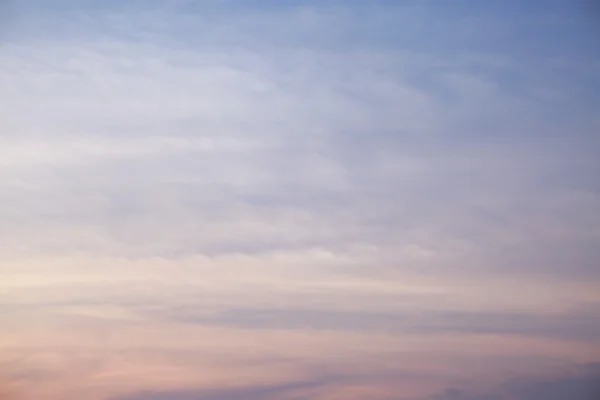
[[327, 200]]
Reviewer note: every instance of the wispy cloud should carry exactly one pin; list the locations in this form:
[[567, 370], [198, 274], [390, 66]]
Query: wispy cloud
[[330, 186], [581, 383]]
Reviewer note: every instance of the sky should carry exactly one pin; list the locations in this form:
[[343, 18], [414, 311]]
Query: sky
[[299, 200]]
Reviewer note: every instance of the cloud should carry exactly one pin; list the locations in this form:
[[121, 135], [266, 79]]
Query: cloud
[[285, 391], [128, 136], [414, 183], [569, 326], [579, 384]]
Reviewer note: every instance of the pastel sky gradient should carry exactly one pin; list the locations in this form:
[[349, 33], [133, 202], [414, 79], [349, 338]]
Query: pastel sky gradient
[[299, 200]]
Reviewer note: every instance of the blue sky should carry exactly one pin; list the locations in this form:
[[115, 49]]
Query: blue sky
[[335, 199]]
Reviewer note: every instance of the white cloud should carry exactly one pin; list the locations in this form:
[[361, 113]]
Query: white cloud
[[128, 148]]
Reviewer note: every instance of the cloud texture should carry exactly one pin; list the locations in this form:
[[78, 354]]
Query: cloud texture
[[276, 200]]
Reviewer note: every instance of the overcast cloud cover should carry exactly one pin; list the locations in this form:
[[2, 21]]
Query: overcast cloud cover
[[321, 200]]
